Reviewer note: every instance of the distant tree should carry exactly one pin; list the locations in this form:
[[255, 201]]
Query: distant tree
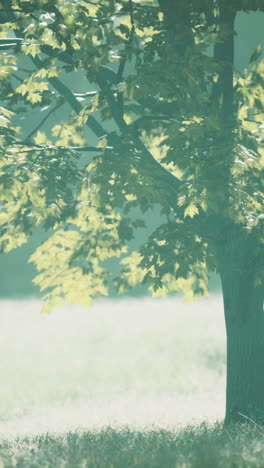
[[181, 130]]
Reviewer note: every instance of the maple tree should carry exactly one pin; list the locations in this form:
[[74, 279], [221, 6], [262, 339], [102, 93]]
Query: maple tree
[[161, 123]]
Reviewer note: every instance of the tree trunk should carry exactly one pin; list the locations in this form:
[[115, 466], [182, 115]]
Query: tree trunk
[[244, 317]]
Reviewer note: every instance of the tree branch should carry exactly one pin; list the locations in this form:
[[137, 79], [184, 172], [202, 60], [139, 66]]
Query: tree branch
[[174, 182], [35, 147], [224, 54], [43, 120], [84, 95], [146, 118], [63, 90]]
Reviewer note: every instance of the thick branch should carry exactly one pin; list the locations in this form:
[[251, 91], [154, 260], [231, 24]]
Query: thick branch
[[224, 54], [150, 118], [163, 174]]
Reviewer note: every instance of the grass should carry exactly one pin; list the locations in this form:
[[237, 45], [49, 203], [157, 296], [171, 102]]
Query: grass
[[123, 384], [192, 447], [133, 363]]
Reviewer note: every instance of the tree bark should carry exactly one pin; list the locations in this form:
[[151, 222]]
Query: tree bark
[[244, 317], [223, 90]]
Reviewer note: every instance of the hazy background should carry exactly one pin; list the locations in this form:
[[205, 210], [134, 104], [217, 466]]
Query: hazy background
[[137, 362]]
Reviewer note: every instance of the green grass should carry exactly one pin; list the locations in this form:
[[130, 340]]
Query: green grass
[[192, 447]]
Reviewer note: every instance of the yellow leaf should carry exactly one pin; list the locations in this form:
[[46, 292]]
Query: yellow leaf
[[22, 89], [130, 197], [49, 306], [31, 49], [34, 97], [191, 210], [40, 138], [43, 86], [7, 113]]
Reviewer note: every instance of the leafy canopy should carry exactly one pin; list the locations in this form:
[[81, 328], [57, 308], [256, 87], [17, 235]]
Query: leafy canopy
[[156, 122]]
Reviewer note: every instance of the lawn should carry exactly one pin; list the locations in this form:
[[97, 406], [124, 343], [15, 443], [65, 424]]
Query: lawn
[[136, 362], [192, 447], [125, 383]]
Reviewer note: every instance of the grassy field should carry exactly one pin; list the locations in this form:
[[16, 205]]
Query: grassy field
[[137, 362], [125, 383], [192, 447]]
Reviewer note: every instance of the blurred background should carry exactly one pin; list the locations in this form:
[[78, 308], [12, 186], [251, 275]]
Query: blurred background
[[130, 362]]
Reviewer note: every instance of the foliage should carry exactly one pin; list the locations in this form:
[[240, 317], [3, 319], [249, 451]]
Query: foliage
[[172, 137]]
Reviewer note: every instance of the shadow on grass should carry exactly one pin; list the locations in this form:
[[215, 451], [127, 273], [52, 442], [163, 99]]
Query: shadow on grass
[[240, 446]]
